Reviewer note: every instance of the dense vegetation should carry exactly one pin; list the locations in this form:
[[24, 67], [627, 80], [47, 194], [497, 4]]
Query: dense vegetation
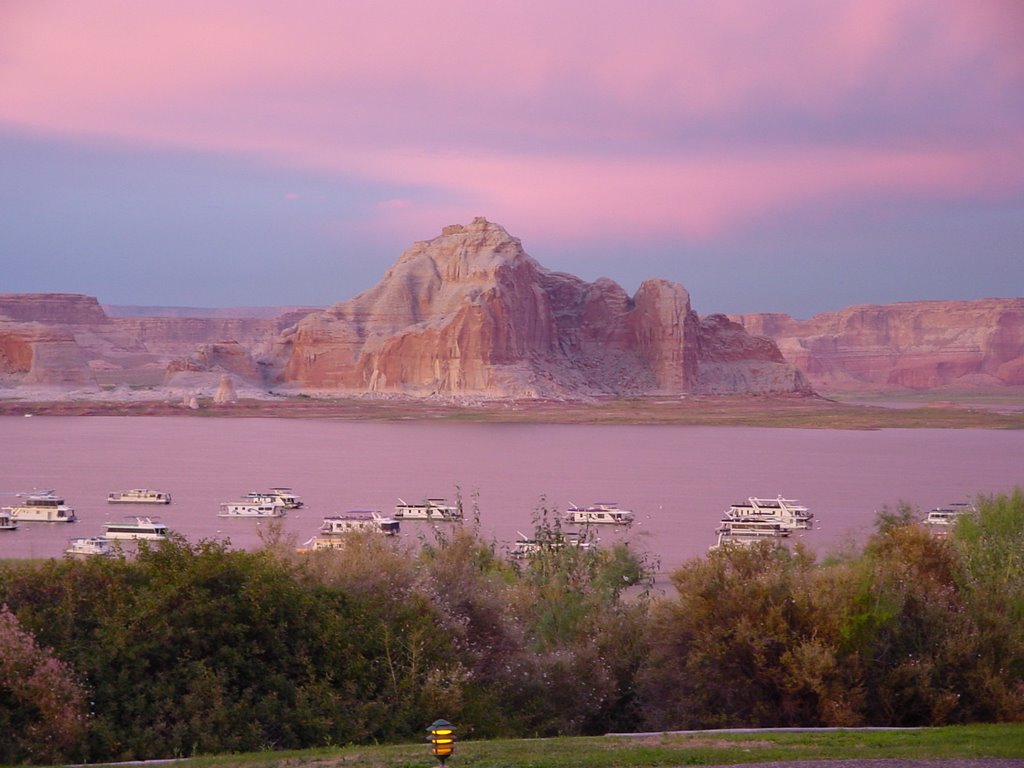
[[191, 648]]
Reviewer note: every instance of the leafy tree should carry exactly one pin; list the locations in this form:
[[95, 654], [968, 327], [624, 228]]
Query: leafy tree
[[43, 710], [990, 544], [739, 644]]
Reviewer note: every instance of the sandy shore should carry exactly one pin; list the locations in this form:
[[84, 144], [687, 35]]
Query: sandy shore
[[781, 411]]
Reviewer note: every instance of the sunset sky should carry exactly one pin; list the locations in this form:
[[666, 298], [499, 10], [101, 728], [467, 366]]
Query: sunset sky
[[794, 156]]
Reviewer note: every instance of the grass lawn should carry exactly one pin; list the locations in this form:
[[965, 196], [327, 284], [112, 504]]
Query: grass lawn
[[705, 748]]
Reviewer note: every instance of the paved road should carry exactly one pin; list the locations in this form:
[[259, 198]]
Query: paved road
[[994, 762]]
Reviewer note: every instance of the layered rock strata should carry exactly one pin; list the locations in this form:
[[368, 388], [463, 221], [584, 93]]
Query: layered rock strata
[[910, 346], [469, 312]]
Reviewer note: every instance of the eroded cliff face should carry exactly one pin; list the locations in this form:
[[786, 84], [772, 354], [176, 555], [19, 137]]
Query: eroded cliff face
[[912, 345], [68, 341], [466, 313], [469, 312]]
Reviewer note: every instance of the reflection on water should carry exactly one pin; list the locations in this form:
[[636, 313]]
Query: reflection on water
[[677, 480]]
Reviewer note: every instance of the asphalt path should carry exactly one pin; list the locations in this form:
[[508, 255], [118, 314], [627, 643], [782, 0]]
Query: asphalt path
[[993, 762]]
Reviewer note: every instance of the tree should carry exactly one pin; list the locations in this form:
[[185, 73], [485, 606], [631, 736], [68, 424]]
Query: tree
[[43, 711]]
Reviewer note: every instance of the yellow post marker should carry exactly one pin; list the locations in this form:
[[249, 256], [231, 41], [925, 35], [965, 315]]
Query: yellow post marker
[[442, 739]]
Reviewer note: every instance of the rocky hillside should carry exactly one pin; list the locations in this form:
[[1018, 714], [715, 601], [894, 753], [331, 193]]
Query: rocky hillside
[[913, 345], [470, 313], [69, 341]]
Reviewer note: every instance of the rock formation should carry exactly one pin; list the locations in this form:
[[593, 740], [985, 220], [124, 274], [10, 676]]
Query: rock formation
[[470, 313], [225, 391], [912, 345], [68, 341]]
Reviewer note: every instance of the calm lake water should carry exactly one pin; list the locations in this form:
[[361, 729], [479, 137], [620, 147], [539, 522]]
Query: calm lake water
[[677, 480]]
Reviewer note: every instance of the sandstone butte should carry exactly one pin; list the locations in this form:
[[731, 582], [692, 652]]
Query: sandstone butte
[[470, 313]]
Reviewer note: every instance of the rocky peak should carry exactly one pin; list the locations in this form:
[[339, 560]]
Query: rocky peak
[[470, 312], [477, 251]]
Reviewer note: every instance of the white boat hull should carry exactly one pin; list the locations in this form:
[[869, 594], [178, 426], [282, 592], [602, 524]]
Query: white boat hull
[[431, 509], [115, 534], [128, 498], [93, 546], [251, 510], [38, 515], [598, 514]]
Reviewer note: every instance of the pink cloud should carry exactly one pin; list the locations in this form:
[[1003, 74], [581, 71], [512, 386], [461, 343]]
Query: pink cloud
[[653, 116]]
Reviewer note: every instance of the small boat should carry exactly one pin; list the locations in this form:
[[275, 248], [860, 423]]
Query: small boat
[[246, 508], [728, 539], [139, 496], [942, 519], [335, 528], [6, 522], [752, 528], [607, 513], [428, 509], [789, 513], [525, 547], [42, 507], [276, 495], [90, 546], [136, 528], [359, 520]]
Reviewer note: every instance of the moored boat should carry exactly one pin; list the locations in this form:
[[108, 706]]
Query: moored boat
[[136, 528], [336, 528], [276, 495], [752, 528], [942, 519], [359, 520], [42, 507], [6, 522], [250, 509], [139, 496], [602, 513], [90, 546], [788, 513], [428, 509], [526, 547]]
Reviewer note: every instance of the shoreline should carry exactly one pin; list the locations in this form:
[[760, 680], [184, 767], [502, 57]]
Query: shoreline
[[804, 412]]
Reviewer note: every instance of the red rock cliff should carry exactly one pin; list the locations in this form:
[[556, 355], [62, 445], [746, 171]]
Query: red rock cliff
[[469, 312], [912, 345]]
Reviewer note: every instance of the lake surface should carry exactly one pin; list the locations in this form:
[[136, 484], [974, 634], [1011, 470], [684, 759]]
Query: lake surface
[[677, 480]]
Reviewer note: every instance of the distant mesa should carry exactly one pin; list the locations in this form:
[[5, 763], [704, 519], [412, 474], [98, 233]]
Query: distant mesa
[[471, 314]]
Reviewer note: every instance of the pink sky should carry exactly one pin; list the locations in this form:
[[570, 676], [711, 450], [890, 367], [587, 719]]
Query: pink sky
[[685, 121]]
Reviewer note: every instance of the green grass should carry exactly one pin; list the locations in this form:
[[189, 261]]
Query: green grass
[[650, 751]]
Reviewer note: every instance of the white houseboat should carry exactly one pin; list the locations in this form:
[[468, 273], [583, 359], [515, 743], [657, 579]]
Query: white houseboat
[[752, 528], [597, 514], [359, 520], [139, 496], [525, 547], [335, 528], [726, 539], [788, 513], [246, 508], [45, 507], [276, 495], [90, 546], [942, 519], [136, 528], [6, 523], [428, 509]]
